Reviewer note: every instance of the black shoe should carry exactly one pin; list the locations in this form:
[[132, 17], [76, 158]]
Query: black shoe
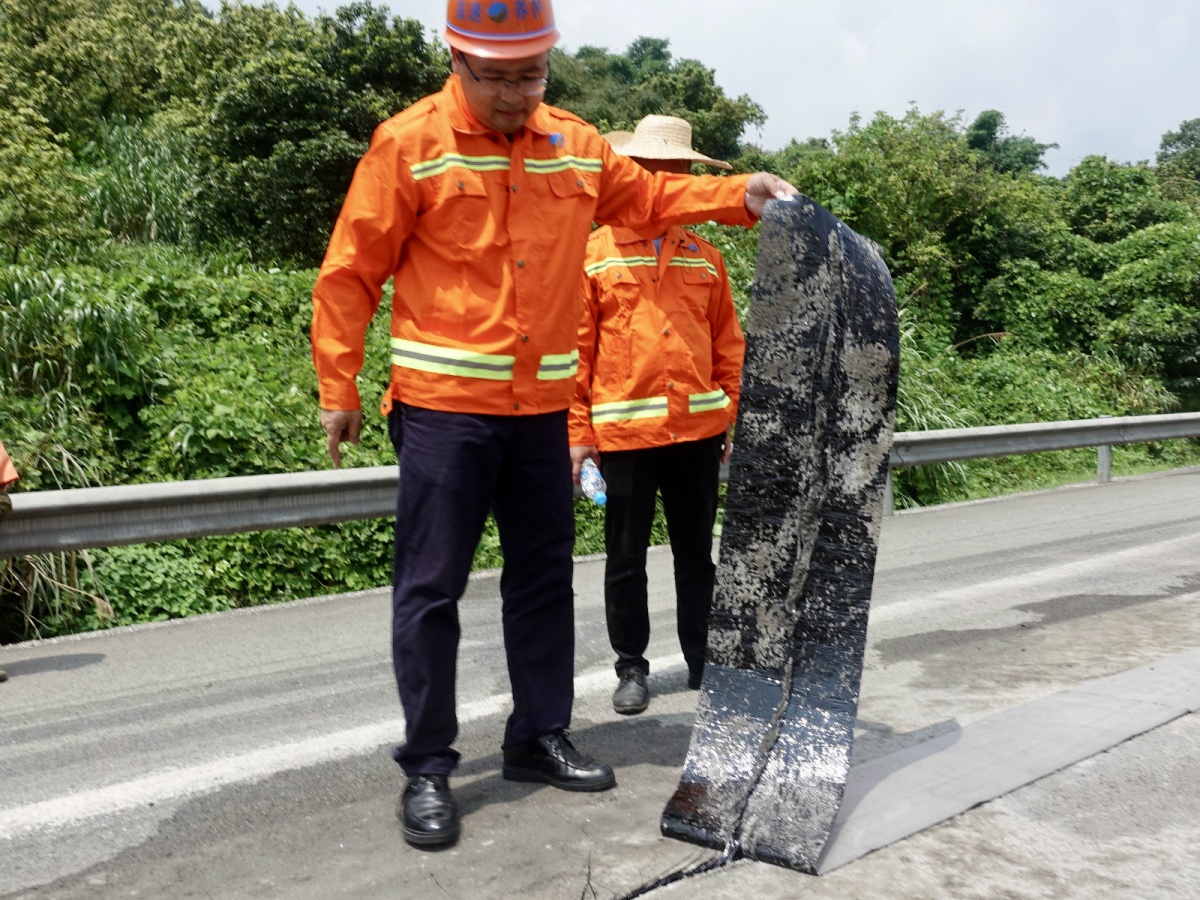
[[428, 812], [631, 696], [695, 676], [552, 759]]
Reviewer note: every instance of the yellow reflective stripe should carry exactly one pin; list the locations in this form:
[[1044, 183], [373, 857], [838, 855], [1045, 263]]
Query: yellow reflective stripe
[[616, 261], [448, 361], [562, 164], [624, 410], [688, 262], [682, 262], [558, 366], [708, 401], [446, 161]]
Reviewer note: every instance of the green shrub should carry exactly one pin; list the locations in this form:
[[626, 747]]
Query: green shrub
[[1015, 385], [152, 582], [238, 405]]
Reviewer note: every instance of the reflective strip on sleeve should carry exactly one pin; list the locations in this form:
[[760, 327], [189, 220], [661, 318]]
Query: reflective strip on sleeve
[[613, 262], [706, 402], [447, 161], [558, 366], [624, 410], [563, 164], [448, 361]]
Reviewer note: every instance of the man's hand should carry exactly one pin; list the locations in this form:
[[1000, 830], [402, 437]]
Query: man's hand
[[727, 447], [340, 425], [578, 455], [764, 186]]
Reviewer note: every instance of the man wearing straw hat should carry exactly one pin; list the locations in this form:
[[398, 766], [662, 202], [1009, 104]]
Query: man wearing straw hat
[[660, 362]]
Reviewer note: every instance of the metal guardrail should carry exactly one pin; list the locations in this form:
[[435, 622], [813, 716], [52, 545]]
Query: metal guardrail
[[55, 521], [920, 448]]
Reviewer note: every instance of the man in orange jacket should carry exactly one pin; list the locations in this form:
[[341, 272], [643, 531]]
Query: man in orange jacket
[[477, 201], [8, 475], [660, 364]]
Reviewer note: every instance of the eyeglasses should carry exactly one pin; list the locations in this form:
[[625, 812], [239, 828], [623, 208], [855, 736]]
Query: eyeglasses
[[494, 87]]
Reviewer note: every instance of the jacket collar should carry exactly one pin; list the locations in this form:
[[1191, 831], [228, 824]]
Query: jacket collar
[[623, 236]]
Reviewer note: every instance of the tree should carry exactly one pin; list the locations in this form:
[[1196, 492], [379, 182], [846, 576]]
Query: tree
[[287, 119], [41, 198], [945, 219], [614, 91], [1015, 153], [1105, 201], [1179, 162], [89, 60]]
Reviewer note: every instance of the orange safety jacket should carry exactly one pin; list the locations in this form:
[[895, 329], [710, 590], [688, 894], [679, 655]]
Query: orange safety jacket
[[8, 472], [660, 347], [484, 240]]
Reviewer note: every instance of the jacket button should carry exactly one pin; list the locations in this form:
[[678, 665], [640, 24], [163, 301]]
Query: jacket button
[[579, 184], [514, 188], [524, 339], [460, 185], [674, 437], [666, 331], [516, 406], [520, 263], [670, 385]]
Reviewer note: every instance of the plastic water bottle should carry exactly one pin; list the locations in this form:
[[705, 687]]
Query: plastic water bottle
[[592, 483]]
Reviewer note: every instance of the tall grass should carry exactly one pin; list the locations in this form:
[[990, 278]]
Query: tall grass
[[145, 183], [925, 402]]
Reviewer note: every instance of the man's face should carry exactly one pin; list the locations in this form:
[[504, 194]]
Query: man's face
[[674, 166], [490, 86]]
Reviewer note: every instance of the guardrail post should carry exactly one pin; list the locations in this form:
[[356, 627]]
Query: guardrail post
[[889, 500], [1104, 461]]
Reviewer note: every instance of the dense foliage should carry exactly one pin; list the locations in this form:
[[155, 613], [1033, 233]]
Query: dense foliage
[[169, 176]]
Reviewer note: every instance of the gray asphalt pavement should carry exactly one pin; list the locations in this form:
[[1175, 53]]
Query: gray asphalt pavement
[[1027, 729]]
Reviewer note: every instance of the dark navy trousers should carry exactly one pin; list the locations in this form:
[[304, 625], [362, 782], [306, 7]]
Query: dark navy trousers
[[688, 476], [455, 468]]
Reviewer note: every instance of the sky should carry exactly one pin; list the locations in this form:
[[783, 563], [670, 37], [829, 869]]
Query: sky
[[1105, 77]]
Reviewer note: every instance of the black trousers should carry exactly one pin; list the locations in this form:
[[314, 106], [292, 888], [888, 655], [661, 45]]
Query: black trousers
[[687, 475], [454, 469]]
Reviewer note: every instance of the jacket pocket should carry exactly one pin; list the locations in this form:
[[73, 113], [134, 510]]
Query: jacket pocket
[[461, 211]]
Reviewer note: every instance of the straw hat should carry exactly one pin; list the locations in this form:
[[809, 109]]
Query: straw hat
[[618, 139], [660, 137]]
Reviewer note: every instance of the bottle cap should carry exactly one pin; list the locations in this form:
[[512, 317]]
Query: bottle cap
[[600, 498]]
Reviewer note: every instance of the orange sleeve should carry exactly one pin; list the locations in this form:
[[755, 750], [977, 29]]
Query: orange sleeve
[[579, 418], [649, 204], [8, 472], [378, 215], [728, 342]]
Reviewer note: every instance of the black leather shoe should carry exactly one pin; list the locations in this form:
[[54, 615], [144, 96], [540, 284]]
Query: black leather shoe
[[631, 696], [552, 759], [695, 676], [428, 812]]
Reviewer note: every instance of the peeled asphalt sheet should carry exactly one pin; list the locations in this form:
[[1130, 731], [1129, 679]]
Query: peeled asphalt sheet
[[1026, 729]]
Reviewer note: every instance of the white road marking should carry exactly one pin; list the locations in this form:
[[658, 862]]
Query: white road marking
[[173, 785]]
